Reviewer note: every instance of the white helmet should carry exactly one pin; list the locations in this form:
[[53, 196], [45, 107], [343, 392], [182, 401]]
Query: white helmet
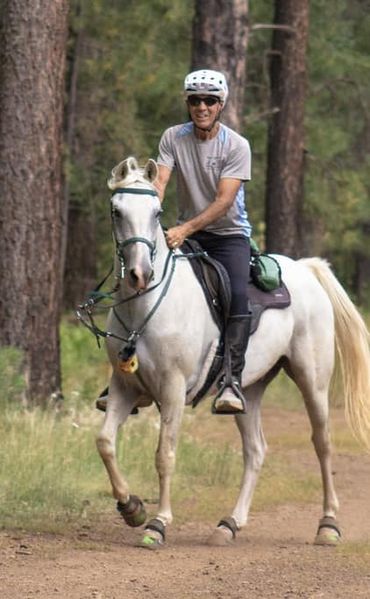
[[211, 83]]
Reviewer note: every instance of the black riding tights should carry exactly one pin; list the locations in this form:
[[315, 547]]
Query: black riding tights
[[233, 251]]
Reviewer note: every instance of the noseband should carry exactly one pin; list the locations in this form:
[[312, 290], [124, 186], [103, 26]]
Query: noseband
[[120, 246]]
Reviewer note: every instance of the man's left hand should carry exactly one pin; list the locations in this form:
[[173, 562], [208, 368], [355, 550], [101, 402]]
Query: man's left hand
[[175, 236]]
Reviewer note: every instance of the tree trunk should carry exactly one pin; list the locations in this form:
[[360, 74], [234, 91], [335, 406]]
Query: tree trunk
[[79, 259], [220, 38], [73, 63], [285, 160], [32, 69]]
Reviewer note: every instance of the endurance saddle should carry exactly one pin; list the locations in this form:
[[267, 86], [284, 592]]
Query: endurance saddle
[[215, 283]]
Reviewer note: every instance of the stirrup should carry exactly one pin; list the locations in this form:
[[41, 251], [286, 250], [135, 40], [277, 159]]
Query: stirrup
[[228, 408]]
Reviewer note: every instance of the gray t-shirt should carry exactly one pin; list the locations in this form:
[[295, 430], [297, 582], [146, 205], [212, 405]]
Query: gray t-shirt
[[199, 165]]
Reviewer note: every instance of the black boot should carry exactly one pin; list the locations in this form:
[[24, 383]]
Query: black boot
[[230, 399]]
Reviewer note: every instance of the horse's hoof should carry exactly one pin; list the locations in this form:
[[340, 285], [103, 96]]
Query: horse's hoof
[[327, 536], [221, 537], [154, 536], [133, 512], [152, 540], [328, 532]]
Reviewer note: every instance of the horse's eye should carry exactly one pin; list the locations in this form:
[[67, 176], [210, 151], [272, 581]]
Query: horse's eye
[[116, 213], [158, 214]]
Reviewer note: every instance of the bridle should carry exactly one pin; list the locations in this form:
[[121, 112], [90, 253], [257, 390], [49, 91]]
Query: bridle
[[120, 245]]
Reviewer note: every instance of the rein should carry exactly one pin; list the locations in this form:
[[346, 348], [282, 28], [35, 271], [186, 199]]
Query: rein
[[86, 310]]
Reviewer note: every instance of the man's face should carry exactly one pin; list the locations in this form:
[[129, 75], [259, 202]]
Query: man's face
[[204, 110]]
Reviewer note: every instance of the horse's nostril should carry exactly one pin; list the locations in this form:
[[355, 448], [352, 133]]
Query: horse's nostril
[[133, 275]]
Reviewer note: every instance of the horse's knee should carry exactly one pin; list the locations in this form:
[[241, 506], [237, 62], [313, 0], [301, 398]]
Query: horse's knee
[[105, 447]]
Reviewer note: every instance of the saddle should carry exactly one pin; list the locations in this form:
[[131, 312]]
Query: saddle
[[215, 283]]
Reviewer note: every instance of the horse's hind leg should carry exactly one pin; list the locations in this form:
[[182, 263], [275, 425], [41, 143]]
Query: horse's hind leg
[[119, 407], [254, 450], [314, 383]]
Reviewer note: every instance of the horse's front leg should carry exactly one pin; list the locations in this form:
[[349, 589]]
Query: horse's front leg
[[171, 413], [119, 406], [254, 450]]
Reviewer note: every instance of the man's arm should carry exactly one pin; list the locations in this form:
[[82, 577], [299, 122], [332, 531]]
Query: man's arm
[[225, 196], [164, 174]]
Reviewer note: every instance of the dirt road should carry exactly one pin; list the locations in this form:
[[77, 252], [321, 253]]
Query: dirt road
[[272, 558]]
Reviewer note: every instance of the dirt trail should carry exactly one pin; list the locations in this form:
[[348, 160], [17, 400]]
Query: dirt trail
[[273, 557]]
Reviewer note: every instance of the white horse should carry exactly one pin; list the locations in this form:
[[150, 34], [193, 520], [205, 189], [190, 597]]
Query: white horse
[[161, 319]]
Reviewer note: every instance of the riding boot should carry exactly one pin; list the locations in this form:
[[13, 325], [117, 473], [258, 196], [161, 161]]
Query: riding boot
[[230, 399]]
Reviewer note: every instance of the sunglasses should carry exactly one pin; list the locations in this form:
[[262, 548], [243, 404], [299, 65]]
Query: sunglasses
[[208, 100]]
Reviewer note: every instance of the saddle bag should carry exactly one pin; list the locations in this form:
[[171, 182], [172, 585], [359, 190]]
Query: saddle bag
[[265, 270]]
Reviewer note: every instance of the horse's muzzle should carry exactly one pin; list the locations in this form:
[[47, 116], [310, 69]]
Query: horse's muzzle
[[139, 278]]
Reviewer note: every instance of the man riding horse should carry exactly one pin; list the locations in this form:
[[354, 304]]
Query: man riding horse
[[212, 162]]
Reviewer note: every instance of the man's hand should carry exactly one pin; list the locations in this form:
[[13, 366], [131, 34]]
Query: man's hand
[[175, 236]]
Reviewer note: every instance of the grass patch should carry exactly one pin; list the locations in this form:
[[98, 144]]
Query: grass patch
[[51, 474], [12, 382], [283, 393], [48, 470], [85, 367]]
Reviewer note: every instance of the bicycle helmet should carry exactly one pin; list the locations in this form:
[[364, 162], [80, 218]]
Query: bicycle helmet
[[205, 81]]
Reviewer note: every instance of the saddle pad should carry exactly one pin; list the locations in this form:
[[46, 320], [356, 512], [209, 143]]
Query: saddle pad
[[262, 300]]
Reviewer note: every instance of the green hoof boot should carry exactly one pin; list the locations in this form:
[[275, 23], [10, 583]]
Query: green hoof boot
[[154, 535]]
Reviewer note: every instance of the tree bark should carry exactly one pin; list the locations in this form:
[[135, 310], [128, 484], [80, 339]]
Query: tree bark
[[220, 39], [285, 159], [32, 70], [72, 68], [81, 258]]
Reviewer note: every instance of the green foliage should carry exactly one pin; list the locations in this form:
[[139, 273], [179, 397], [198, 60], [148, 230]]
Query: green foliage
[[337, 206], [48, 469], [84, 365], [338, 133]]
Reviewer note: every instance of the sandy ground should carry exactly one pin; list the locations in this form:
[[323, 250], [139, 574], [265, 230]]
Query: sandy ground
[[273, 557]]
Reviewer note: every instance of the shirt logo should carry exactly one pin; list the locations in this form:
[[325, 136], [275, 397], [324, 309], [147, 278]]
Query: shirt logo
[[213, 163]]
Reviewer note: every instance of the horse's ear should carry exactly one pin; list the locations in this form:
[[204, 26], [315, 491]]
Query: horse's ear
[[122, 170], [151, 170]]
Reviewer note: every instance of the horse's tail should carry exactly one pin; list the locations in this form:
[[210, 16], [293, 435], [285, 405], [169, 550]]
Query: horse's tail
[[352, 344]]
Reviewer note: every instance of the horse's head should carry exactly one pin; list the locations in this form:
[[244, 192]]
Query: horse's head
[[135, 210]]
